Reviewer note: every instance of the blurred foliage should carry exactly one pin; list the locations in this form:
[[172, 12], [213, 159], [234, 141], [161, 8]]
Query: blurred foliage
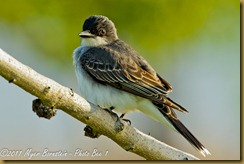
[[198, 42], [53, 25]]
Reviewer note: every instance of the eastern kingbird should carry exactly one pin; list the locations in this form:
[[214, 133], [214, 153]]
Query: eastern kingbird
[[112, 74]]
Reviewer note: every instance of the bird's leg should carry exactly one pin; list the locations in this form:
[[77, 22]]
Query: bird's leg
[[122, 115], [119, 126], [126, 120], [110, 110]]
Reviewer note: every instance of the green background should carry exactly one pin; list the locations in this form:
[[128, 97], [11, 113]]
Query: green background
[[193, 44]]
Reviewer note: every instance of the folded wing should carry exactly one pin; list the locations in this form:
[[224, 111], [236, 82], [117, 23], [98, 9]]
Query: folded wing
[[110, 68]]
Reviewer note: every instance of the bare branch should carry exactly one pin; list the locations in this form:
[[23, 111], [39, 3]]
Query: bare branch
[[102, 122]]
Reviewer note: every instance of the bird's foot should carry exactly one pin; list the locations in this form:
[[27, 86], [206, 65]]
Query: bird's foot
[[119, 126], [126, 120]]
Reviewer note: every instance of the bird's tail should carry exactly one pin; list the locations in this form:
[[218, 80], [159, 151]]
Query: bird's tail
[[172, 118]]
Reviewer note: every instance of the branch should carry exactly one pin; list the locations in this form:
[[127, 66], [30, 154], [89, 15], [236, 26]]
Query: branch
[[57, 96]]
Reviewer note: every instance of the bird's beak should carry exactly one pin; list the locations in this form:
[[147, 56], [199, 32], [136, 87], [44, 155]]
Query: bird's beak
[[86, 34]]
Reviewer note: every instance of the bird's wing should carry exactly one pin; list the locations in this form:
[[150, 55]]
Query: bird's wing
[[120, 71]]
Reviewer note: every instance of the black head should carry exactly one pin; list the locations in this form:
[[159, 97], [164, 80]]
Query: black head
[[99, 26]]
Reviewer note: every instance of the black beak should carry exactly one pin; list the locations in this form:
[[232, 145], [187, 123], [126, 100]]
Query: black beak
[[86, 34]]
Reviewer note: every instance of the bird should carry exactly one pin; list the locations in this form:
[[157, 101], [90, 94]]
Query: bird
[[112, 75]]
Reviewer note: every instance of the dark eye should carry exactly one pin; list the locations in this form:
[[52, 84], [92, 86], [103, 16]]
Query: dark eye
[[102, 31]]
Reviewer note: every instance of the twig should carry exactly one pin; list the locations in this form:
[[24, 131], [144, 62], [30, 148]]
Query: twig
[[102, 122]]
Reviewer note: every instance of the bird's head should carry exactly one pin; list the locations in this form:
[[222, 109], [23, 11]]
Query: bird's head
[[98, 30]]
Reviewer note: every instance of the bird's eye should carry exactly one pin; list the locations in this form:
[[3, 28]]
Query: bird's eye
[[102, 31]]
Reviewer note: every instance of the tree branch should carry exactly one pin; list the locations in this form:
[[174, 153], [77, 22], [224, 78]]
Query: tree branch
[[57, 96]]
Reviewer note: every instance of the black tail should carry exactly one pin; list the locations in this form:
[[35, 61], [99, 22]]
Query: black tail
[[172, 118]]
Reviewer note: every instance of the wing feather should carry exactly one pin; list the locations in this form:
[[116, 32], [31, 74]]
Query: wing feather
[[108, 67]]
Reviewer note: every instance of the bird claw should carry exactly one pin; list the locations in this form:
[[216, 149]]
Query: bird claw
[[126, 120], [119, 126]]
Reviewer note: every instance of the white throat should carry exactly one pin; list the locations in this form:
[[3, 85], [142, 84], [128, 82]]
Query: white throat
[[97, 41]]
